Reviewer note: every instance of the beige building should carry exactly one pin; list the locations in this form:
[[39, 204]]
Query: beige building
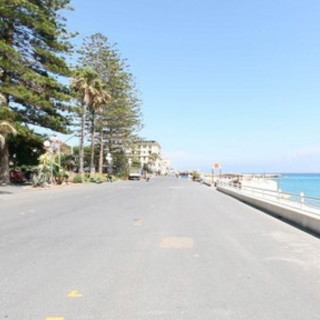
[[165, 166], [148, 152]]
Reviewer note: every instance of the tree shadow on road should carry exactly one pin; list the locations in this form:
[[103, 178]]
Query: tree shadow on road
[[5, 192]]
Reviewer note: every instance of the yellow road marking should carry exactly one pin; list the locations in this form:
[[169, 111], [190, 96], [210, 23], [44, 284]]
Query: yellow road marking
[[55, 318], [74, 294], [177, 243]]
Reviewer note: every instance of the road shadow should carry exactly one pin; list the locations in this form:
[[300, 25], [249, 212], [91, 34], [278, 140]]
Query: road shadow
[[11, 188], [5, 192]]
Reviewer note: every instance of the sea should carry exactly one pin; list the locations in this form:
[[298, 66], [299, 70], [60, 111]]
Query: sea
[[308, 183]]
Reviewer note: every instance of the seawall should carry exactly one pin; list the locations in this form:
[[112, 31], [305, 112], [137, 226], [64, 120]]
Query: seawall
[[305, 220]]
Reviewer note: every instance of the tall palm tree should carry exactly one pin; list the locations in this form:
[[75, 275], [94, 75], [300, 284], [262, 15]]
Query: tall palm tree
[[2, 98], [5, 129], [86, 83], [153, 159], [100, 100]]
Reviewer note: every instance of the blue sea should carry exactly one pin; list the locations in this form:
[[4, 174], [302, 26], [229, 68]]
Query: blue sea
[[308, 183]]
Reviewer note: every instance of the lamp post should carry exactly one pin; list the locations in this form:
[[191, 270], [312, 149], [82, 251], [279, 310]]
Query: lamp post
[[52, 146], [129, 166], [109, 160], [55, 144]]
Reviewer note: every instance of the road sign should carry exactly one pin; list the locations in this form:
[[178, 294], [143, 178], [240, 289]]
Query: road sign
[[216, 166]]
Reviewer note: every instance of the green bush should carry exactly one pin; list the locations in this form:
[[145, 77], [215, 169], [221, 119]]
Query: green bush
[[61, 176], [77, 179], [97, 178], [195, 175]]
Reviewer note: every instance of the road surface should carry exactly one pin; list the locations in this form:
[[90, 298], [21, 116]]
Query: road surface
[[169, 249]]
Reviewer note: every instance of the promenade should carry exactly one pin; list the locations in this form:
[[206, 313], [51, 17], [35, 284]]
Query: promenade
[[169, 249]]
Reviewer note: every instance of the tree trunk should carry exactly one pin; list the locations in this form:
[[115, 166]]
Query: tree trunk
[[4, 164], [81, 147], [93, 129], [101, 152], [4, 151]]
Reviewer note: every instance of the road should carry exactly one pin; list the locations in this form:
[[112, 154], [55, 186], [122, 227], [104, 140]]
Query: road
[[169, 249]]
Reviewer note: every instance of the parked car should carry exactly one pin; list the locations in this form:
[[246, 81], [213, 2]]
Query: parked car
[[17, 176], [135, 174]]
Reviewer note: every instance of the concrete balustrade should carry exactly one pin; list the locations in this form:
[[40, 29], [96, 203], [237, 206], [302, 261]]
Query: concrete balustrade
[[299, 217]]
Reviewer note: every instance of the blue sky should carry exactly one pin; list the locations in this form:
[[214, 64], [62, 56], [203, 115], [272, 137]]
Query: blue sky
[[229, 81]]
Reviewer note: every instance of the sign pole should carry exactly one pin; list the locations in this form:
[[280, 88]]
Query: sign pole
[[218, 167]]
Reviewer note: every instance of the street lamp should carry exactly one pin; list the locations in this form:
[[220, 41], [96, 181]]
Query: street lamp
[[109, 160], [129, 166], [52, 145], [46, 144]]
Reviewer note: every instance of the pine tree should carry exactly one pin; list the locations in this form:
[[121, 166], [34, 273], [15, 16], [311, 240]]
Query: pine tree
[[121, 117], [33, 45]]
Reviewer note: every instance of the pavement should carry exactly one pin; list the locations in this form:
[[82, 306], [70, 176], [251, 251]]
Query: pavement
[[169, 249]]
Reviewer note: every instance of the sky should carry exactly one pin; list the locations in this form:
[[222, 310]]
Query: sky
[[222, 81]]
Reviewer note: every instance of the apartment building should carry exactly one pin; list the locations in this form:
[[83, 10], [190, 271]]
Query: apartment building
[[148, 152]]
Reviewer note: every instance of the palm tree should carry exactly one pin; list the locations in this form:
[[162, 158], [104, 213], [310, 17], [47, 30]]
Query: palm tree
[[87, 84], [2, 99], [100, 100], [153, 159], [5, 129]]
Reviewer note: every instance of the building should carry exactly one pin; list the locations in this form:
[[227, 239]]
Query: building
[[148, 153], [165, 166]]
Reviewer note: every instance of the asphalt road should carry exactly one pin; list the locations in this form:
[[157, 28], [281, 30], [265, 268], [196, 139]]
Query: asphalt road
[[168, 249]]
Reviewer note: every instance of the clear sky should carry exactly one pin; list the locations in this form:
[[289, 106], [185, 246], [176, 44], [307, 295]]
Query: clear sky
[[229, 81]]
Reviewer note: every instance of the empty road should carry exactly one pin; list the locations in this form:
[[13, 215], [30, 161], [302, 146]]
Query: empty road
[[169, 249]]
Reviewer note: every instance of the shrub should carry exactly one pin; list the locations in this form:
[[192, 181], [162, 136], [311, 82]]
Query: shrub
[[97, 178], [77, 179], [195, 176], [61, 176]]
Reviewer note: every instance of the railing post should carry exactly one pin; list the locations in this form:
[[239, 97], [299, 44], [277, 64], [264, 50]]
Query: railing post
[[302, 199], [279, 194]]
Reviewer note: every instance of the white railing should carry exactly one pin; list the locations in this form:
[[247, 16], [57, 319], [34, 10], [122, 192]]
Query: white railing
[[298, 201]]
